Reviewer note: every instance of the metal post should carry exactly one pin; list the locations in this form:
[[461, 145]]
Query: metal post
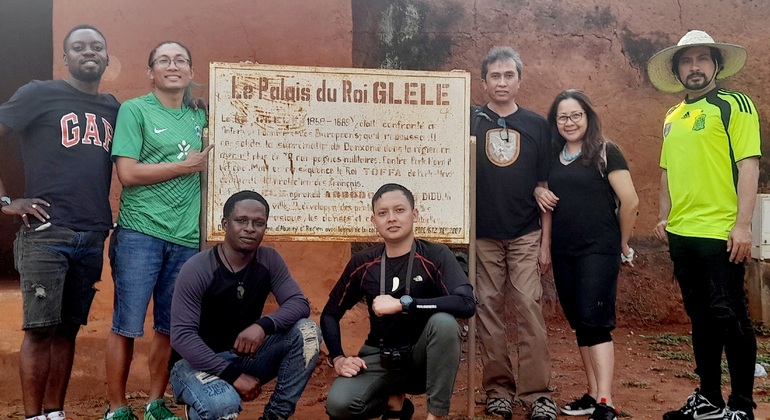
[[472, 279]]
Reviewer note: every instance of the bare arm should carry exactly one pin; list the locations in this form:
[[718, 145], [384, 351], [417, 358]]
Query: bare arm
[[4, 130], [623, 186], [545, 198], [664, 207], [131, 172], [739, 241], [25, 207], [2, 189], [545, 238]]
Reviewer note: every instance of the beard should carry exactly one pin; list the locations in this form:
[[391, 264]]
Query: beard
[[87, 75], [693, 85]]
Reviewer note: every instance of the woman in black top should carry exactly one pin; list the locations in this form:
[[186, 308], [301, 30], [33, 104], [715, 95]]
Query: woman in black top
[[588, 179]]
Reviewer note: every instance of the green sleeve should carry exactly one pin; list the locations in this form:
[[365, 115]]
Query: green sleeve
[[129, 135]]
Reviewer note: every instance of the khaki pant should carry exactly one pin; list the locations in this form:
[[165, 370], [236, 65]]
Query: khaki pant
[[514, 261]]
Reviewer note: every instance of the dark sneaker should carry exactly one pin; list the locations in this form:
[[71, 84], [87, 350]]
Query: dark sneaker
[[500, 406], [122, 413], [157, 410], [544, 409], [271, 416], [739, 408], [602, 411], [737, 415], [585, 405], [697, 407]]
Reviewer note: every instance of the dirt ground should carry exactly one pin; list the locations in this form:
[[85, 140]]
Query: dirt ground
[[653, 373]]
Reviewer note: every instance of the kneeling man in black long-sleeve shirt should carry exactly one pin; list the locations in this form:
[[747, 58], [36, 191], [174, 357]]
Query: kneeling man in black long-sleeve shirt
[[225, 348], [414, 290]]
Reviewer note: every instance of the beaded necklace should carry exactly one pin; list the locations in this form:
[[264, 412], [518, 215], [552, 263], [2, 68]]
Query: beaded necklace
[[569, 158]]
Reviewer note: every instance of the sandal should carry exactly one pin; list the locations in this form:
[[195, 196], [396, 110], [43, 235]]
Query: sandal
[[405, 413]]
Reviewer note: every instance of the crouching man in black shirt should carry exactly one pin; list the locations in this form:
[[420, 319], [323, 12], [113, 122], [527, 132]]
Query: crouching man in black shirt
[[414, 290], [229, 347]]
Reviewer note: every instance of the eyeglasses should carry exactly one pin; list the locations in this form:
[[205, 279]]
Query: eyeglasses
[[165, 62], [501, 123], [575, 118]]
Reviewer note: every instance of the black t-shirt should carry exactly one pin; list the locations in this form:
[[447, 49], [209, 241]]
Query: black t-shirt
[[67, 137], [584, 220], [438, 285], [507, 172]]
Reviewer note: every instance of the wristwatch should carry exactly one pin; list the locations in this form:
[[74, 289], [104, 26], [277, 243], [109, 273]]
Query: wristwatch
[[406, 301], [5, 201]]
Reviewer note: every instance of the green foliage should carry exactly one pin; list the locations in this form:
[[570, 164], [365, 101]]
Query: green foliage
[[676, 355], [669, 339], [688, 375], [761, 329], [636, 384]]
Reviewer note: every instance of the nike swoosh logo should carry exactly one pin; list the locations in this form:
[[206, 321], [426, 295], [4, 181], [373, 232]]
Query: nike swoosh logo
[[158, 131]]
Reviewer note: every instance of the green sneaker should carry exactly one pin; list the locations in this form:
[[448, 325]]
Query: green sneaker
[[157, 410], [122, 413]]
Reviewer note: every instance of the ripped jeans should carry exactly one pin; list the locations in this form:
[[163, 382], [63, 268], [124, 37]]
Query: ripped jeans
[[290, 357], [59, 268]]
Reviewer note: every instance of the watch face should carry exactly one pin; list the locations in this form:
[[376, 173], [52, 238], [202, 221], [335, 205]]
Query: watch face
[[5, 200]]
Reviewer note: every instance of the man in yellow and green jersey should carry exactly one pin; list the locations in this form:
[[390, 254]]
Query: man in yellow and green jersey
[[710, 162]]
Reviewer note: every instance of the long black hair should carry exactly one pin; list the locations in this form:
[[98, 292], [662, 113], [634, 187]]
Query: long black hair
[[593, 141]]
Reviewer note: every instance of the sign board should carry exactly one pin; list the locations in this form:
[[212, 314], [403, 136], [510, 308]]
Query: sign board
[[317, 143]]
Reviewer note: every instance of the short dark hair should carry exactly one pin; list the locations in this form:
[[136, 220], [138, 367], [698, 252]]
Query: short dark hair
[[496, 54], [78, 28], [393, 187], [716, 55], [244, 195]]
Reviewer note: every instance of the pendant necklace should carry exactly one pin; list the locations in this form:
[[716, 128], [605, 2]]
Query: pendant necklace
[[569, 158], [240, 290]]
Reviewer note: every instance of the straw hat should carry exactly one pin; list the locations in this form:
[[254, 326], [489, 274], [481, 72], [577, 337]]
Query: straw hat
[[659, 66]]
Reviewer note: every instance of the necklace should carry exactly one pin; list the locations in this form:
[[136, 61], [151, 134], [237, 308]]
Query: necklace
[[240, 289], [569, 158]]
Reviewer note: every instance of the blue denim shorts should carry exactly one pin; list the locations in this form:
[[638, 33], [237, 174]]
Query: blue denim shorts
[[143, 266], [59, 268]]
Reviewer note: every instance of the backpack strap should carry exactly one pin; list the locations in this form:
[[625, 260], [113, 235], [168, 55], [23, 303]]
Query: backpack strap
[[476, 115]]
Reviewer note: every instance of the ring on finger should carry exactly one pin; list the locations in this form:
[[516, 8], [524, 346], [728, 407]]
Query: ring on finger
[[34, 206]]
